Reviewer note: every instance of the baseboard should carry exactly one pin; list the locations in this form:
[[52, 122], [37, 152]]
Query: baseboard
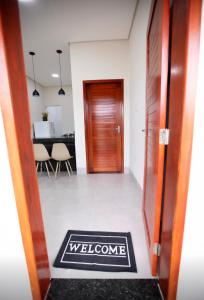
[[137, 183], [81, 171], [126, 170]]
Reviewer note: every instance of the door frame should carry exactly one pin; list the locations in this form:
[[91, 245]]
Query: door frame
[[189, 73], [14, 104], [186, 92], [85, 83], [17, 126]]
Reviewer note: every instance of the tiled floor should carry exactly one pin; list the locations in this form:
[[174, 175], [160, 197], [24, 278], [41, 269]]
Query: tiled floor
[[101, 202]]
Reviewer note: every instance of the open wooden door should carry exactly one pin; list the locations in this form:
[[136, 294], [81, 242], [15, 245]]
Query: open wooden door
[[156, 99]]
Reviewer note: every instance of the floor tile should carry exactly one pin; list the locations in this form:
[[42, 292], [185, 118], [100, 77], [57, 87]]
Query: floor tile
[[98, 202]]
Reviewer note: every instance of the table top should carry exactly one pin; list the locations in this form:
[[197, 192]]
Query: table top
[[66, 140]]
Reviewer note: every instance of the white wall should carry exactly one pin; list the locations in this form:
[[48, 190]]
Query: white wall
[[97, 60], [14, 280], [51, 97], [191, 276], [36, 103], [137, 63]]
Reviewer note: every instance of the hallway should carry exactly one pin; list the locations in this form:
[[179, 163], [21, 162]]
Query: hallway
[[98, 202]]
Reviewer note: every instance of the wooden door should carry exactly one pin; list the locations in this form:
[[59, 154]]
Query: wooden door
[[156, 99], [104, 125], [184, 62]]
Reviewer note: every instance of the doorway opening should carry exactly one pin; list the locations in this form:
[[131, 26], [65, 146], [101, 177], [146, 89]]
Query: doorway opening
[[92, 120]]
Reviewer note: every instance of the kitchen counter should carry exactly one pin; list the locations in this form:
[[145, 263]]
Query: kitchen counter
[[68, 141]]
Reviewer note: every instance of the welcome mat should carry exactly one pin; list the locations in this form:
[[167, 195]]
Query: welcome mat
[[97, 251]]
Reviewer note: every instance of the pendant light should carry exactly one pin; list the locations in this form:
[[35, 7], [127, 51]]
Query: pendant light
[[61, 92], [35, 92]]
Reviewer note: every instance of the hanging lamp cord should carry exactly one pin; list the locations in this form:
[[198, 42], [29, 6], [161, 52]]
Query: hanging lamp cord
[[34, 72], [60, 71]]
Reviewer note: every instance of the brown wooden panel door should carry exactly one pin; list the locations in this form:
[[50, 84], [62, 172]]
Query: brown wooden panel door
[[104, 125], [184, 62], [156, 97]]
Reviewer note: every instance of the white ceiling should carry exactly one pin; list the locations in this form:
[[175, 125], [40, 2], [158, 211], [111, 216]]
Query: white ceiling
[[48, 25]]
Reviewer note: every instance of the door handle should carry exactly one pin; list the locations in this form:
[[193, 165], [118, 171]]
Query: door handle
[[118, 129]]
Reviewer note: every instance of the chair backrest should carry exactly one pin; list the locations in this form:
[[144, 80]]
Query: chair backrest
[[40, 152], [60, 152]]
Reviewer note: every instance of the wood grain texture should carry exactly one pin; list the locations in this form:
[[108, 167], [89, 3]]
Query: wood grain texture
[[156, 99], [15, 111], [184, 62], [103, 102]]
